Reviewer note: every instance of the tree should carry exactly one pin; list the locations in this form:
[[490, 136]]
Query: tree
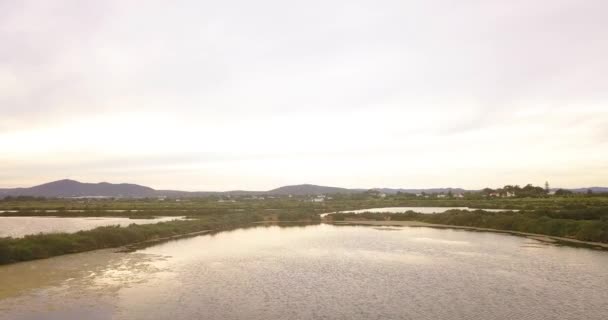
[[487, 191], [562, 192]]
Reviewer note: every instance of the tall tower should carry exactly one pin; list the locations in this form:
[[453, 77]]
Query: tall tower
[[547, 186]]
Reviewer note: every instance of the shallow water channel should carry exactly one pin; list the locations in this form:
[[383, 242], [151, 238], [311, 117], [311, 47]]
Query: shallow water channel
[[316, 272], [425, 210], [21, 226]]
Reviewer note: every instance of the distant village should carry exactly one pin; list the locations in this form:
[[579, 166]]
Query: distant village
[[508, 191], [305, 193]]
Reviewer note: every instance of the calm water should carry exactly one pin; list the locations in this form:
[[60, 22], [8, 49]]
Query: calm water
[[317, 272], [428, 210], [20, 226]]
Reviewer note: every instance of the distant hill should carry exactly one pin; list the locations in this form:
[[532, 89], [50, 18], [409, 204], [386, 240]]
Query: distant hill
[[310, 189], [593, 189], [70, 188]]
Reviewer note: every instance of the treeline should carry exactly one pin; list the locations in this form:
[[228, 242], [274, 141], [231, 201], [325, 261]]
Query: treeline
[[528, 191], [573, 213], [47, 245], [583, 224], [22, 198]]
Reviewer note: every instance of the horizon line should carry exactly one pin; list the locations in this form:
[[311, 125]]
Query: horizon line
[[288, 185]]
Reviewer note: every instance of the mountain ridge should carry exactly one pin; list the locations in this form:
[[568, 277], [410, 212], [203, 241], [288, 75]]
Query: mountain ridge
[[67, 188], [71, 188]]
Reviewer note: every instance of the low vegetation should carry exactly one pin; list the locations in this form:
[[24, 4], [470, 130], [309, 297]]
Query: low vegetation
[[580, 224], [47, 245], [576, 216], [27, 206], [41, 246]]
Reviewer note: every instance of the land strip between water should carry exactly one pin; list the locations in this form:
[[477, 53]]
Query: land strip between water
[[578, 221]]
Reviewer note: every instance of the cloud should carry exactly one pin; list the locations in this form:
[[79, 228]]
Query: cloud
[[398, 91]]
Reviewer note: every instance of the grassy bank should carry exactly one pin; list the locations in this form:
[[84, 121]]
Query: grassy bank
[[579, 224], [48, 245], [42, 246], [584, 219], [210, 205]]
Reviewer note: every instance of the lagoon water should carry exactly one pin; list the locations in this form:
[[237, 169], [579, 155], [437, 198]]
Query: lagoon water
[[316, 272], [21, 226], [426, 210]]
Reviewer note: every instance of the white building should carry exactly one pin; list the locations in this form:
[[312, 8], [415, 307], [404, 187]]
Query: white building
[[320, 198]]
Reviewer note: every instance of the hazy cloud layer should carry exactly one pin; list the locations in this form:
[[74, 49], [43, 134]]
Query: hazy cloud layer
[[241, 94]]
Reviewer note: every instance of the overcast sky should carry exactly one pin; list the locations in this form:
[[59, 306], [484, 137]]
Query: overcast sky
[[236, 94]]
